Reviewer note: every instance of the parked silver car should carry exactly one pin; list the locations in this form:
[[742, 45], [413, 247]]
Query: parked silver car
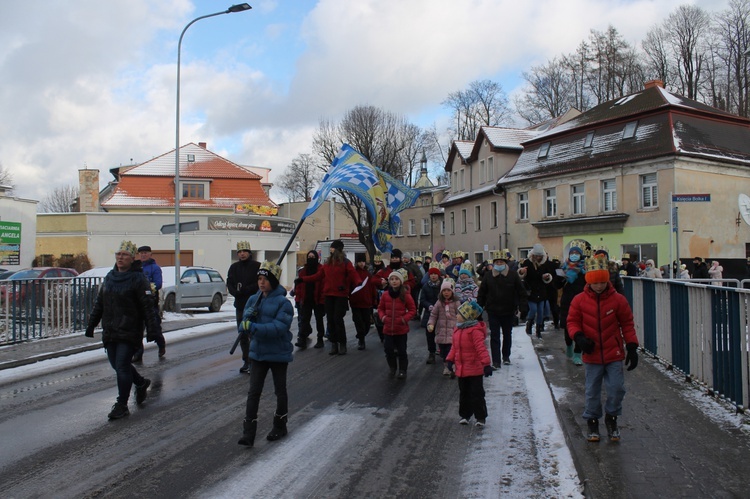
[[199, 287]]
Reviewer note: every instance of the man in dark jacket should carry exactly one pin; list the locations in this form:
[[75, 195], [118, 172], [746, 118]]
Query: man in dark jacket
[[501, 293], [537, 272], [153, 274], [628, 266], [242, 283], [123, 304], [701, 269]]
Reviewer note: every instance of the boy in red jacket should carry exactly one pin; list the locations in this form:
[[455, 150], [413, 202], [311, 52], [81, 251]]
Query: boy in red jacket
[[470, 360], [395, 310], [600, 322]]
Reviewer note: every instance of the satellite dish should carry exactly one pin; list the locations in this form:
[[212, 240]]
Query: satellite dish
[[744, 202]]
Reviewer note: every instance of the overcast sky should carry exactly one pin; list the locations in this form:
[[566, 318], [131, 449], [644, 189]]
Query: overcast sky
[[91, 83]]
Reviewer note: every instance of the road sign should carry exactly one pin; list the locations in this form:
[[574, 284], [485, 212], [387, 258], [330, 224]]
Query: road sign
[[688, 198], [184, 227]]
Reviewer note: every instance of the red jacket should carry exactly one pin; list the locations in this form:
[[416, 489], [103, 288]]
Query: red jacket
[[396, 313], [468, 352], [338, 278], [367, 296], [300, 290], [384, 273], [607, 319]]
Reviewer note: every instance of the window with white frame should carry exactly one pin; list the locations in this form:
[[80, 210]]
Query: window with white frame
[[589, 140], [425, 226], [609, 195], [543, 150], [453, 222], [442, 227], [550, 202], [523, 205], [578, 199], [649, 191], [493, 214], [481, 171], [629, 131], [463, 221], [461, 179], [399, 230], [490, 169], [412, 227], [477, 218]]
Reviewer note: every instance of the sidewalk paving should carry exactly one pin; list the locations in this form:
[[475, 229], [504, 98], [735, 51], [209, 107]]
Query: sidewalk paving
[[676, 442]]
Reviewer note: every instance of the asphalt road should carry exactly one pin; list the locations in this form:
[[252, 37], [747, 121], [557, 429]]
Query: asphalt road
[[353, 431]]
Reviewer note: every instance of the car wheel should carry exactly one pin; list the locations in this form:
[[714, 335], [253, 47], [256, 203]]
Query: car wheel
[[169, 303], [215, 303]]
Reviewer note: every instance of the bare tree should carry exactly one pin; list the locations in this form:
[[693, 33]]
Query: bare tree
[[613, 59], [386, 139], [549, 93], [659, 63], [688, 28], [728, 67], [483, 103], [6, 178], [60, 200], [579, 65], [300, 178]]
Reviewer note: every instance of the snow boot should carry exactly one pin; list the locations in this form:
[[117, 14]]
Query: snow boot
[[430, 358], [593, 425], [577, 359], [245, 367], [529, 325], [613, 431], [392, 368], [279, 428], [301, 343], [361, 344], [248, 432], [141, 392], [539, 329], [342, 348], [334, 348], [569, 351], [118, 411]]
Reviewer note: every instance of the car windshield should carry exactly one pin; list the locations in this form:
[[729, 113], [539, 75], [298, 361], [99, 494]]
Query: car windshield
[[25, 274]]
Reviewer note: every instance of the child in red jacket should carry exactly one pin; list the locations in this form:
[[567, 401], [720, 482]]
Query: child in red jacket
[[470, 360], [600, 322], [395, 310]]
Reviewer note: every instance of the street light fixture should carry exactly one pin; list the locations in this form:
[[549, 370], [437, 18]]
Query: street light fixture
[[231, 10]]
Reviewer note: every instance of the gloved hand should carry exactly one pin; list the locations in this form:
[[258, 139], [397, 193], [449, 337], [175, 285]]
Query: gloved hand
[[488, 371], [89, 332], [298, 281], [631, 358], [586, 345], [451, 366], [246, 326], [430, 328]]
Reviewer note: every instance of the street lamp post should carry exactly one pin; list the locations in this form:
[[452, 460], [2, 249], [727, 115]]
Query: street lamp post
[[234, 8]]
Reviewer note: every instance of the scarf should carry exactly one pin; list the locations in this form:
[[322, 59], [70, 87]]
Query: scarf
[[572, 269]]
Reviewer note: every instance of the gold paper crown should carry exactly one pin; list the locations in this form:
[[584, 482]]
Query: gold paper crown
[[243, 246], [437, 265], [583, 245], [418, 258], [128, 247], [625, 256], [470, 310], [458, 254], [270, 268], [467, 266], [377, 258], [496, 255], [445, 253], [428, 254], [597, 263]]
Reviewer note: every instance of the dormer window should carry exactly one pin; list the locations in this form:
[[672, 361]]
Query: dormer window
[[191, 158], [629, 130], [589, 140], [543, 150]]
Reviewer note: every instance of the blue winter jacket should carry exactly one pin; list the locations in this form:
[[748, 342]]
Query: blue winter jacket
[[153, 272], [270, 334]]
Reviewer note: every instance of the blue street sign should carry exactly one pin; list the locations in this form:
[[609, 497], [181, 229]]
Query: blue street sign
[[686, 198]]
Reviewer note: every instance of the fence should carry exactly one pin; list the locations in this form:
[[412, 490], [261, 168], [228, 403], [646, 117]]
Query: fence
[[699, 329], [33, 309]]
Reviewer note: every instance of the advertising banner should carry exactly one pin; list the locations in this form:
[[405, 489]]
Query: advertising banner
[[254, 224], [10, 243]]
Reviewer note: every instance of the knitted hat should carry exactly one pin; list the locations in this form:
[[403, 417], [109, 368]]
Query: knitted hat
[[407, 255], [575, 249], [470, 310], [401, 274], [448, 283], [243, 246], [468, 267], [360, 257], [699, 259], [396, 253], [538, 250], [144, 248], [128, 247], [434, 270], [270, 271], [338, 244], [597, 270]]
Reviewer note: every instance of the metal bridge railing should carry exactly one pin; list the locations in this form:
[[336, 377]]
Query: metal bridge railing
[[699, 329]]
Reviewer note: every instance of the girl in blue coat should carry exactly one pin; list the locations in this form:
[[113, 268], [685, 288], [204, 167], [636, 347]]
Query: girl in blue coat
[[267, 320]]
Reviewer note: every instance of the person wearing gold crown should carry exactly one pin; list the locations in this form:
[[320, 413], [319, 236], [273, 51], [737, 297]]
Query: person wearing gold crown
[[470, 360], [123, 304], [600, 322], [395, 310], [267, 321], [242, 283]]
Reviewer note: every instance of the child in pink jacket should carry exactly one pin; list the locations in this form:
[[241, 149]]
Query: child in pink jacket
[[442, 321], [470, 360]]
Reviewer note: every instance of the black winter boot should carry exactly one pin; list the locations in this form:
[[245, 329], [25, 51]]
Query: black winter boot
[[342, 348], [529, 325], [248, 432], [391, 367], [593, 425], [539, 329], [279, 428], [334, 348], [613, 431]]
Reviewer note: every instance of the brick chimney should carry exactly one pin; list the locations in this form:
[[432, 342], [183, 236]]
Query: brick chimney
[[202, 144], [88, 191], [653, 83]]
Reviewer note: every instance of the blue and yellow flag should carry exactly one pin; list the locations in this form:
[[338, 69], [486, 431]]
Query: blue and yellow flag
[[383, 196]]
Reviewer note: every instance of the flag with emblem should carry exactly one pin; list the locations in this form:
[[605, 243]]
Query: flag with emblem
[[383, 196]]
